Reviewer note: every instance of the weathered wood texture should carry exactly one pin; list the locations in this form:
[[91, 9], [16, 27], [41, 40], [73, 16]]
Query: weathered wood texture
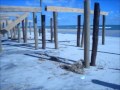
[[14, 23], [23, 30], [66, 9], [14, 33], [19, 9], [0, 25], [78, 30], [7, 25], [51, 29], [103, 30], [86, 32], [26, 25], [55, 29], [95, 34], [35, 30], [9, 15], [19, 33], [43, 32], [0, 43]]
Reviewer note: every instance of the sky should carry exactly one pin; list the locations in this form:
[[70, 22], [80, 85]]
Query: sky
[[111, 6]]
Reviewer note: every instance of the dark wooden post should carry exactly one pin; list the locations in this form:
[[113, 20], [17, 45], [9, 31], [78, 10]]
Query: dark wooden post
[[51, 29], [23, 30], [103, 30], [11, 33], [43, 32], [78, 30], [0, 43], [3, 26], [0, 25], [55, 30], [26, 26], [35, 30], [8, 31], [95, 33], [19, 33], [14, 34], [87, 32]]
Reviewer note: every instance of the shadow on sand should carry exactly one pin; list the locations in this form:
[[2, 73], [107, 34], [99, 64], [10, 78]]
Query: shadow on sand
[[106, 84]]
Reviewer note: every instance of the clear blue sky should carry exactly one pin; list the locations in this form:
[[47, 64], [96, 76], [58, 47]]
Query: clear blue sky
[[111, 6]]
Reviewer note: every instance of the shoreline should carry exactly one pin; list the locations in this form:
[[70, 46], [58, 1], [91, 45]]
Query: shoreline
[[111, 33]]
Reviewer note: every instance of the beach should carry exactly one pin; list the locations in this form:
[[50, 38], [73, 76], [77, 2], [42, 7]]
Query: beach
[[112, 33], [24, 68]]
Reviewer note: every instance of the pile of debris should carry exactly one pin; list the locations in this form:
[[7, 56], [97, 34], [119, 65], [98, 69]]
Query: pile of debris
[[77, 67]]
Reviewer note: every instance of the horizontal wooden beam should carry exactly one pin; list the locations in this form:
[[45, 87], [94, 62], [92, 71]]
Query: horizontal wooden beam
[[19, 9], [9, 15], [66, 9], [14, 23]]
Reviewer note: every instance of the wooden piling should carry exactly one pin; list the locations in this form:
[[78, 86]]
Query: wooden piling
[[43, 32], [11, 33], [26, 25], [35, 30], [41, 17], [55, 30], [51, 29], [8, 31], [78, 30], [19, 33], [14, 34], [0, 43], [95, 33], [86, 32], [3, 26], [103, 29], [23, 31], [0, 25]]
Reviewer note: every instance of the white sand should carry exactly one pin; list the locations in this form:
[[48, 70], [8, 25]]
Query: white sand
[[20, 71]]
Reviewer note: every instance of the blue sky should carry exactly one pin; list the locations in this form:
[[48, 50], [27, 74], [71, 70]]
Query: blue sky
[[111, 6]]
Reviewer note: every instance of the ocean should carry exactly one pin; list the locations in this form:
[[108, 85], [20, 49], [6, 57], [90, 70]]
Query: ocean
[[108, 27], [110, 30]]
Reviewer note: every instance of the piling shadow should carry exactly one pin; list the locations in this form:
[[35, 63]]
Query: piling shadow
[[28, 46], [106, 84], [51, 58]]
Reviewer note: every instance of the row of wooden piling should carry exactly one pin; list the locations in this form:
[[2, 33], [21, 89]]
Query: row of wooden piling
[[54, 32]]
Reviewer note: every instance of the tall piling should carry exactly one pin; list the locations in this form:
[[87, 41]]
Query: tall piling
[[26, 27], [19, 33], [95, 33], [51, 29], [23, 30], [103, 29], [0, 43], [43, 32], [86, 32], [78, 30], [35, 30], [55, 30]]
